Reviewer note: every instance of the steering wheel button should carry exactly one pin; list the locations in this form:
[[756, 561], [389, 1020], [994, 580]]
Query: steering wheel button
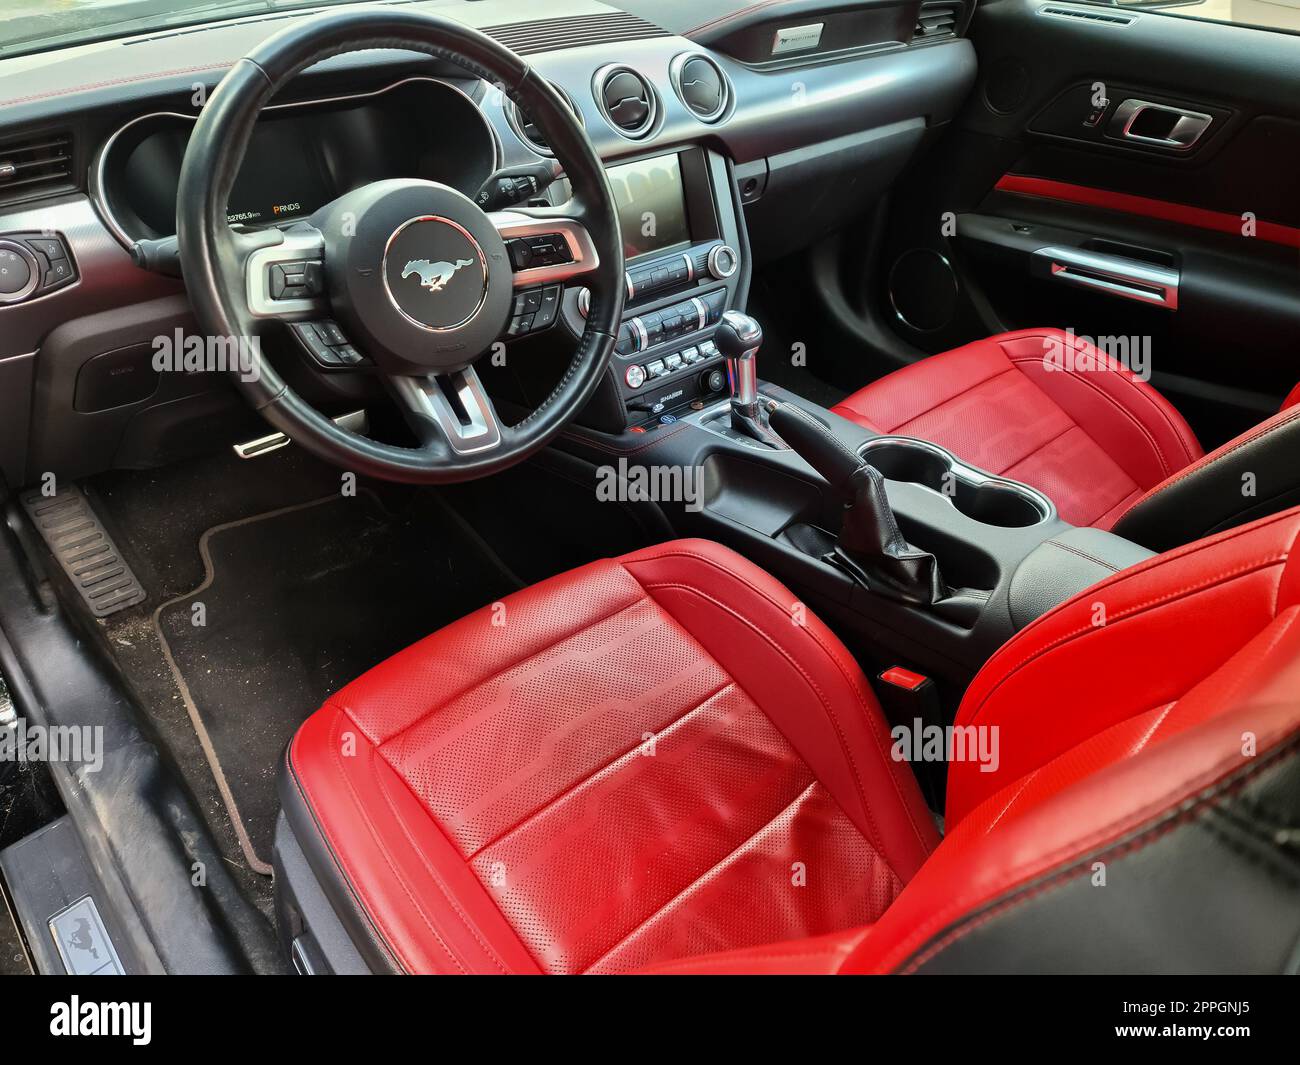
[[520, 254], [548, 307], [349, 355], [532, 301], [330, 333]]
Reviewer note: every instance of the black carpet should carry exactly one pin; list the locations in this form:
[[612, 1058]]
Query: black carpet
[[296, 603]]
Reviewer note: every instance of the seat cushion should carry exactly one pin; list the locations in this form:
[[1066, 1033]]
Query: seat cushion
[[1043, 407], [644, 759]]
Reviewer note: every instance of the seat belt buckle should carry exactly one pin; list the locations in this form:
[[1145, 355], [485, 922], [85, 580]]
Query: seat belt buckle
[[904, 679], [911, 702]]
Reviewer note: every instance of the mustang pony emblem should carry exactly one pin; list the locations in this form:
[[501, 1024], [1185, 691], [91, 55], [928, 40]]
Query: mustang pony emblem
[[434, 276]]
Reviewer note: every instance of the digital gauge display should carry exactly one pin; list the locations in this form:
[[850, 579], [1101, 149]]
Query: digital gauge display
[[282, 177]]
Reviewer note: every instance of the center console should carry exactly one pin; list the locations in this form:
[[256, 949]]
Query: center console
[[925, 557], [685, 268], [929, 560]]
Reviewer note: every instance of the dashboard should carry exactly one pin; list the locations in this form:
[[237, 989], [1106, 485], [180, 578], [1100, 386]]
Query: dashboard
[[728, 142]]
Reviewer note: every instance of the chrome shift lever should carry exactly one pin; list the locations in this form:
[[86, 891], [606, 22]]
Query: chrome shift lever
[[738, 338]]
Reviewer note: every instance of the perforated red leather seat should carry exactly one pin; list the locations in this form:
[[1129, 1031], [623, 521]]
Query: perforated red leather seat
[[664, 761], [1049, 409]]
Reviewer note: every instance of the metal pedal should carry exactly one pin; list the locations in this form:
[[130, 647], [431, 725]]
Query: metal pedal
[[76, 537]]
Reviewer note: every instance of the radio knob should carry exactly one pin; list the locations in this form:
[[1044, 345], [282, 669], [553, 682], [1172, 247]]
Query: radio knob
[[723, 261]]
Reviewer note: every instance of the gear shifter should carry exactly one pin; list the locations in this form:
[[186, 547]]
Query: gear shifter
[[871, 547], [738, 338]]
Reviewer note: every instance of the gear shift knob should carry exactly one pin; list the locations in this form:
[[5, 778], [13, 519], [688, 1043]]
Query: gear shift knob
[[738, 338]]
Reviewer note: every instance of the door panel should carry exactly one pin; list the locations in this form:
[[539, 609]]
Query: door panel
[[1039, 160]]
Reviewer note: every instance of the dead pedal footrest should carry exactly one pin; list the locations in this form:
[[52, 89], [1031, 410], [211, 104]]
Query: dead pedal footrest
[[77, 538]]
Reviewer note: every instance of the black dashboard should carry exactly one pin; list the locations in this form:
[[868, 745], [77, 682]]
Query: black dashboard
[[730, 140]]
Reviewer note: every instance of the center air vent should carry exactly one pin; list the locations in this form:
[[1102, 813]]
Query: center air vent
[[35, 165], [703, 87], [529, 131], [1116, 18], [627, 100], [936, 21]]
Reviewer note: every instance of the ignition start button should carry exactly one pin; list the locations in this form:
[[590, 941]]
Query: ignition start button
[[635, 376], [15, 272]]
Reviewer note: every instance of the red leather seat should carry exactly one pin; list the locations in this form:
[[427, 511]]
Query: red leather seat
[[664, 761], [1046, 408]]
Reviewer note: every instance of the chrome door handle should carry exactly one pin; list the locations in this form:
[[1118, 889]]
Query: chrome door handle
[[1112, 274], [1186, 131]]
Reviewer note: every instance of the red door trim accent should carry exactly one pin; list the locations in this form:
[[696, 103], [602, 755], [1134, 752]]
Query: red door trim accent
[[1200, 217]]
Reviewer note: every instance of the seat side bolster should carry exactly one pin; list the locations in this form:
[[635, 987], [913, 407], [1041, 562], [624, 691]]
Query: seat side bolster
[[803, 679], [397, 873], [1252, 473], [978, 877], [1133, 423], [1136, 641]]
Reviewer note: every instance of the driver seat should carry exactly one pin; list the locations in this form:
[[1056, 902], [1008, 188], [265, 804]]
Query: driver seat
[[663, 762]]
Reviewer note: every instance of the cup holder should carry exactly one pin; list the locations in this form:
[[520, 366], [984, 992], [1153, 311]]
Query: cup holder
[[982, 498]]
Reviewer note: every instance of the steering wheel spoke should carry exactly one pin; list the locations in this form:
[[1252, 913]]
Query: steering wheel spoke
[[449, 410], [284, 273], [546, 245]]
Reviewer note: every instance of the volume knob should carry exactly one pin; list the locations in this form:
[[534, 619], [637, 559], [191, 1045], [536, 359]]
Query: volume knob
[[723, 261]]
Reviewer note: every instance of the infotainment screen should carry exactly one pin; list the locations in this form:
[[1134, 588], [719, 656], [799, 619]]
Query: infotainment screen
[[651, 204]]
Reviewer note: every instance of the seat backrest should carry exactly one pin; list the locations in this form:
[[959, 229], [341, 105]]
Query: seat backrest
[[1252, 475], [1144, 811]]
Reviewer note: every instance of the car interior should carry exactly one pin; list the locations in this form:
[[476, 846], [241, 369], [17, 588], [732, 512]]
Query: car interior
[[650, 486]]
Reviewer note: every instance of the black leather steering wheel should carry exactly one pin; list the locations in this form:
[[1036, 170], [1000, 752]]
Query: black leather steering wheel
[[416, 275]]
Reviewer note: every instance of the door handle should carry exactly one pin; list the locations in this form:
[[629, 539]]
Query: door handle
[[1187, 128], [1112, 274]]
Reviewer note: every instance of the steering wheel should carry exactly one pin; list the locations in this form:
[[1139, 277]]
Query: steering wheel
[[417, 277]]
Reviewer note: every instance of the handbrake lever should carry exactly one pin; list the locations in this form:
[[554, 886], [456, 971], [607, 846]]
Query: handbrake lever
[[871, 547]]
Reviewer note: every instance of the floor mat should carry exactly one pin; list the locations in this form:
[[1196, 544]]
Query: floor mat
[[295, 603]]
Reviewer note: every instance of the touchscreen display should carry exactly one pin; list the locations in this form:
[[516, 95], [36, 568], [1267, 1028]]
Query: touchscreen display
[[651, 204]]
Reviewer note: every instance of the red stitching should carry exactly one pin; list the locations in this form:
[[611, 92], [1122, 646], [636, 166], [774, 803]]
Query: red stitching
[[1215, 777], [1125, 411], [1186, 551], [1132, 611], [1208, 460], [118, 81]]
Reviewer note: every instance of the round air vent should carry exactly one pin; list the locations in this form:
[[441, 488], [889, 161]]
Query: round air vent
[[627, 100], [702, 86], [529, 131]]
